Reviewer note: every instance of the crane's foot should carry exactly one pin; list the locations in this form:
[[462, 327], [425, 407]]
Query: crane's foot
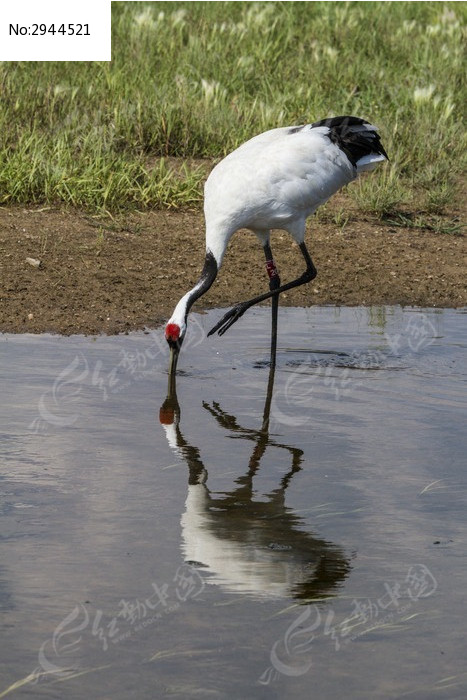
[[229, 319]]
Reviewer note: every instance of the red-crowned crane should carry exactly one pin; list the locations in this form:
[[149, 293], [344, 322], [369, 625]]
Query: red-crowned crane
[[274, 181]]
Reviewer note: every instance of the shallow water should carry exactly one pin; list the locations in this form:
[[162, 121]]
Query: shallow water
[[309, 545]]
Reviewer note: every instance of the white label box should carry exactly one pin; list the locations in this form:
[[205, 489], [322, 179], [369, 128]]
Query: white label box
[[47, 30]]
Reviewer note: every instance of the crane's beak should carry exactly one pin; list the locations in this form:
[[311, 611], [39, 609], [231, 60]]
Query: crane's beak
[[174, 352]]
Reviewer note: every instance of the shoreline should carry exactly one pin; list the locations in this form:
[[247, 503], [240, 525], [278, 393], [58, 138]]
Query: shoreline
[[115, 275]]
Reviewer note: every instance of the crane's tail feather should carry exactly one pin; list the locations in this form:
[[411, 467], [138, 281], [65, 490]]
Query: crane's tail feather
[[358, 139]]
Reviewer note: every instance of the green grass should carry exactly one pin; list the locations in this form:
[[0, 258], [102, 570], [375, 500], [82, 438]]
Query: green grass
[[452, 226], [193, 80]]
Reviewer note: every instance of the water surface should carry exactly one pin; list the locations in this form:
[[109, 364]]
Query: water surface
[[308, 542]]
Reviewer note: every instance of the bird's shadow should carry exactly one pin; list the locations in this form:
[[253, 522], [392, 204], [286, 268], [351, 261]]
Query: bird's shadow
[[243, 543]]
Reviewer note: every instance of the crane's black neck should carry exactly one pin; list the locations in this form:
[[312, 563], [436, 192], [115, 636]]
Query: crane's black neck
[[207, 277]]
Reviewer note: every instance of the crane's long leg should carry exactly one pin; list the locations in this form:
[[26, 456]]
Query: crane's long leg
[[237, 311], [274, 283]]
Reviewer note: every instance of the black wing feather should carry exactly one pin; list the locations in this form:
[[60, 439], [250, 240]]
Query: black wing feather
[[346, 132]]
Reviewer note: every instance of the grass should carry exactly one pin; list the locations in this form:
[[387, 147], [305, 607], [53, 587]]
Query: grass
[[193, 80], [451, 225]]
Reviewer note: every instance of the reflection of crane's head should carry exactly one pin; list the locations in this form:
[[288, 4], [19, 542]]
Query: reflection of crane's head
[[167, 414]]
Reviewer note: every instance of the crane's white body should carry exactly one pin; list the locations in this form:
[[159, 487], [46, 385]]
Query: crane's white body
[[275, 181]]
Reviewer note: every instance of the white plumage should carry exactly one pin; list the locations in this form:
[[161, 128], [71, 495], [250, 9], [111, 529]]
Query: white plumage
[[276, 180]]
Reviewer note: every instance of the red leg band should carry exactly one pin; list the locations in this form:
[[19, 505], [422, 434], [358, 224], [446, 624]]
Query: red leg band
[[271, 269]]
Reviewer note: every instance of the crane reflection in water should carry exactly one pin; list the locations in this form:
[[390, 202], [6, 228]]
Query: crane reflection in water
[[246, 544]]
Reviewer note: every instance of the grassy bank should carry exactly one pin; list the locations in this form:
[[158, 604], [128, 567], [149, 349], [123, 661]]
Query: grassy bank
[[193, 80]]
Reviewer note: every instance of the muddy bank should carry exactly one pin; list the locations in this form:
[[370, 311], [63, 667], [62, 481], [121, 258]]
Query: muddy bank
[[115, 275]]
